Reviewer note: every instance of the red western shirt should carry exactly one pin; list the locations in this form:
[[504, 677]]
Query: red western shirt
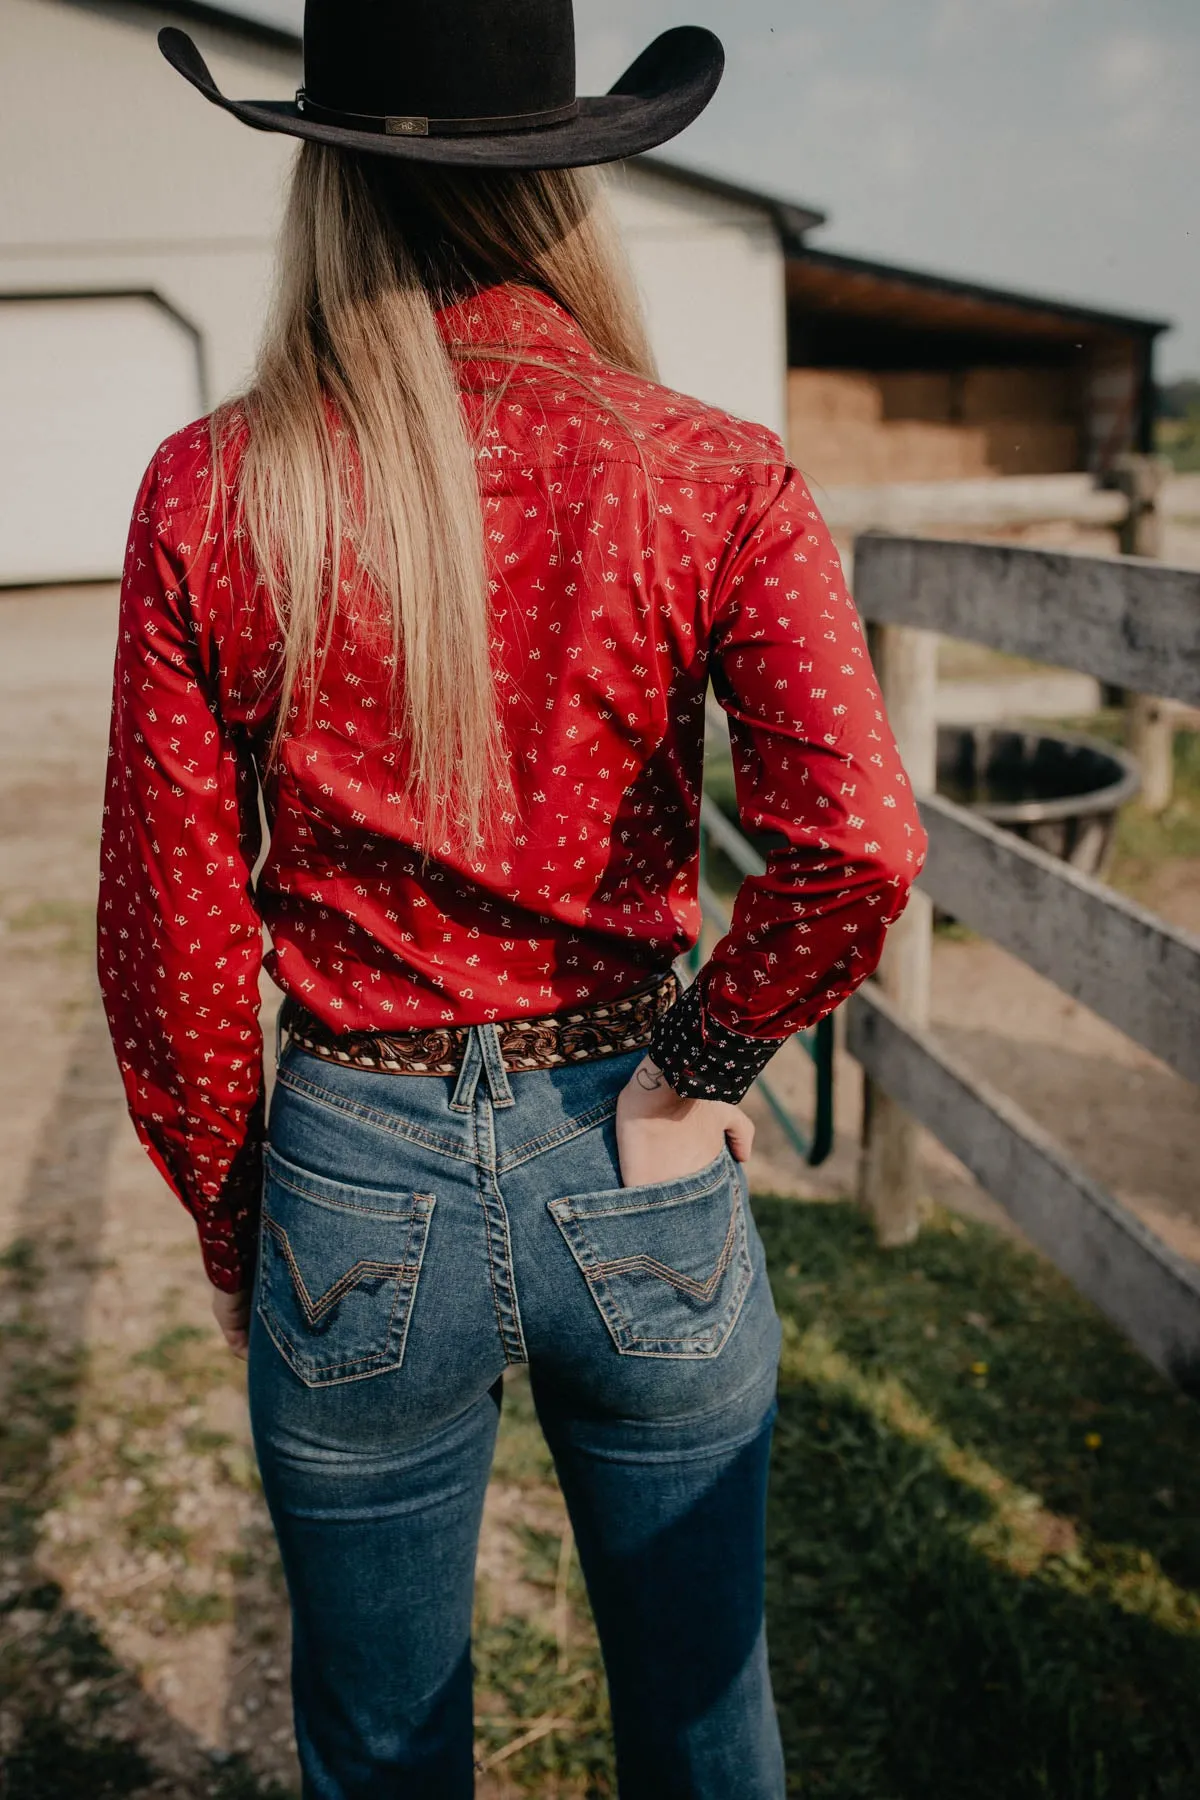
[[641, 545]]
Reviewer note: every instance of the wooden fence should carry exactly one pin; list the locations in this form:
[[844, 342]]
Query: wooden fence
[[1005, 502], [1131, 622], [1136, 500]]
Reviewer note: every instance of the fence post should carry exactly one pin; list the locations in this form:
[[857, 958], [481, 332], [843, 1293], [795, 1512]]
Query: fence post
[[1150, 722], [889, 1172]]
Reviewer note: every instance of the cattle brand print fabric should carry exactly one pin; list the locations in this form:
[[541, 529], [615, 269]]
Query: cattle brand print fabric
[[641, 546]]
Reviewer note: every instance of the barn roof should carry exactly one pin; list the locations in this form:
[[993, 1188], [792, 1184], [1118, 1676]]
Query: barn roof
[[790, 219], [829, 280], [262, 21]]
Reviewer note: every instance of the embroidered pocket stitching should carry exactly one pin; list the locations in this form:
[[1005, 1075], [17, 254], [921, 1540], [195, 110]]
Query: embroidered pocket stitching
[[650, 1265], [315, 1310], [631, 1337], [331, 1373]]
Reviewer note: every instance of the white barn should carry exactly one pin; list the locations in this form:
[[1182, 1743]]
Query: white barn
[[135, 254]]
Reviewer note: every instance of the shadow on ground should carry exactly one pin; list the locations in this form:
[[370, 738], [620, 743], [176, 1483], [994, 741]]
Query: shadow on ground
[[76, 1724], [985, 1535]]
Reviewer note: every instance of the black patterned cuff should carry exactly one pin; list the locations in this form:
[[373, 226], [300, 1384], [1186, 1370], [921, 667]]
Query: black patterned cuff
[[703, 1060]]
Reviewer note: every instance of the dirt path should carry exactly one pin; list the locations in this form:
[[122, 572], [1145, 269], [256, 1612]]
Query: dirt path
[[139, 1595]]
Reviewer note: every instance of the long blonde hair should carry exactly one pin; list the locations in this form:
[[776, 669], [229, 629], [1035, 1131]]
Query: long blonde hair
[[355, 434]]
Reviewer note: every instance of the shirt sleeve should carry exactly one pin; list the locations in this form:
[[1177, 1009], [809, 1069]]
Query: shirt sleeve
[[179, 938], [816, 766]]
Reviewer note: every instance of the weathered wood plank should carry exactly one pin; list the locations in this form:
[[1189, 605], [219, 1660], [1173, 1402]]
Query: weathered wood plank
[[1126, 620], [1149, 721], [981, 504], [889, 1170], [1132, 968], [1108, 1254]]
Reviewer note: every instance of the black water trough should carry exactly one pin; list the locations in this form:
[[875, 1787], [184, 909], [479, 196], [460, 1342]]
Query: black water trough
[[1060, 791]]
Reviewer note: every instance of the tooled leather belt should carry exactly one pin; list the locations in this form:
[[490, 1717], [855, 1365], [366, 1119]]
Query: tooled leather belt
[[605, 1028]]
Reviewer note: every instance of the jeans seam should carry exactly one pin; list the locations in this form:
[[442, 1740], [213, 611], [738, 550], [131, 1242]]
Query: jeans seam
[[489, 1192], [566, 1206], [557, 1136], [316, 1198], [415, 1134]]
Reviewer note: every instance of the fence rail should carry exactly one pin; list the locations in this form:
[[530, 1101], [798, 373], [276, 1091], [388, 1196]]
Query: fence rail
[[1131, 967], [1109, 1255], [1129, 621], [996, 503]]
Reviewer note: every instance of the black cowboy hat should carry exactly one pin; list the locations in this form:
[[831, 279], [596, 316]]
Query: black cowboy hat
[[478, 83]]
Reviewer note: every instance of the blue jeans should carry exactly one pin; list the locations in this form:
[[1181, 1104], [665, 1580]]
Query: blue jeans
[[419, 1234]]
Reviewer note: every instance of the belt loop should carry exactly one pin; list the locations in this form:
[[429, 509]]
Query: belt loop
[[468, 1074], [493, 1062], [279, 1034]]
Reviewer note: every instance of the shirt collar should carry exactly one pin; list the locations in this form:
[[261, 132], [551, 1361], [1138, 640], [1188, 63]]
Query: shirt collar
[[513, 316]]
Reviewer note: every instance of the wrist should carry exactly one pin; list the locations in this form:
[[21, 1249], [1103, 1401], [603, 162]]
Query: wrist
[[655, 1094]]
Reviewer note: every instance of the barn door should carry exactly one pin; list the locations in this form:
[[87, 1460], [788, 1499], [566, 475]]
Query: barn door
[[89, 387]]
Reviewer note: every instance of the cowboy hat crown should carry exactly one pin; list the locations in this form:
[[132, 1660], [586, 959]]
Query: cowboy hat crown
[[483, 82]]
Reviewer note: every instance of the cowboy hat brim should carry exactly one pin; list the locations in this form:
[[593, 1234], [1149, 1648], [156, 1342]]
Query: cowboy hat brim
[[668, 86]]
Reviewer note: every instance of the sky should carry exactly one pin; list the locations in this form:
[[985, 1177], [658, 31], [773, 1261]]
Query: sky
[[1047, 145]]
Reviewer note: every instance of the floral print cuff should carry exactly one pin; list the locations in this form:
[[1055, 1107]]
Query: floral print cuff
[[703, 1060]]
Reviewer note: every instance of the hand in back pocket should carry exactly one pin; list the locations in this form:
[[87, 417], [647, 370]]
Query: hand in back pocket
[[663, 1137], [667, 1263]]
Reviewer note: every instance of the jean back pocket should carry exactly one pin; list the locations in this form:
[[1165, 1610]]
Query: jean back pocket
[[668, 1265], [338, 1272]]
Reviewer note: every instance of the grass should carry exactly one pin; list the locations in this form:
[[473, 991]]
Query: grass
[[68, 926], [72, 1714], [985, 1534], [50, 1764], [1179, 440], [1145, 841]]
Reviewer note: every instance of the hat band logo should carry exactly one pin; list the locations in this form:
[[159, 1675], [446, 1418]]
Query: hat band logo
[[417, 125]]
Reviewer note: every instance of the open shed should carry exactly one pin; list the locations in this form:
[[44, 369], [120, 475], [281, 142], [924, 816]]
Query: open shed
[[896, 375]]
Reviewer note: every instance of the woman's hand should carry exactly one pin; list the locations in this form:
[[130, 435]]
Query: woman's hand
[[232, 1313], [661, 1137]]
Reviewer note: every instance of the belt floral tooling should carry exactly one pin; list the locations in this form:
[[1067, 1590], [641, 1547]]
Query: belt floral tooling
[[606, 1028]]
